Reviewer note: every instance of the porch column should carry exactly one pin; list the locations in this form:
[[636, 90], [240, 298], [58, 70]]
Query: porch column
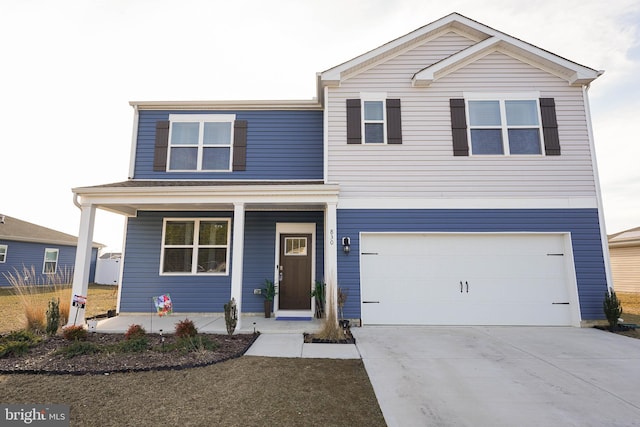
[[331, 252], [237, 258], [83, 262]]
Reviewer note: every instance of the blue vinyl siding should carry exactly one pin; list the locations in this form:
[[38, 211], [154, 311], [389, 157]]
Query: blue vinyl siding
[[21, 255], [260, 246], [141, 279], [281, 145], [581, 223]]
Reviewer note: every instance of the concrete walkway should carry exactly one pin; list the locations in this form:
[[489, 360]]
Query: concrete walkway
[[502, 376], [278, 338]]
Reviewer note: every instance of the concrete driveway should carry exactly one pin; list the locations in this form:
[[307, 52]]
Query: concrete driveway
[[502, 376]]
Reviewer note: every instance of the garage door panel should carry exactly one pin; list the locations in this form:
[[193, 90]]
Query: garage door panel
[[506, 279]]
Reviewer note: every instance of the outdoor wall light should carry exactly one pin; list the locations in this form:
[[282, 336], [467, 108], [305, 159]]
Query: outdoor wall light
[[346, 245]]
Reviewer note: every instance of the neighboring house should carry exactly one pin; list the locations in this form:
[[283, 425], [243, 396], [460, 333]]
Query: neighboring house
[[108, 268], [446, 177], [27, 247], [624, 250]]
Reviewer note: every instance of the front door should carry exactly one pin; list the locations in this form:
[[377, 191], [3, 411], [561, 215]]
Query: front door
[[294, 291]]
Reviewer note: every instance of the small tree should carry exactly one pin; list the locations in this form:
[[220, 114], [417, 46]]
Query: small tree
[[231, 316], [612, 308], [53, 316]]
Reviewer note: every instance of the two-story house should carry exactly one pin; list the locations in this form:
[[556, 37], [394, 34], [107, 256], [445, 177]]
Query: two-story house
[[446, 177]]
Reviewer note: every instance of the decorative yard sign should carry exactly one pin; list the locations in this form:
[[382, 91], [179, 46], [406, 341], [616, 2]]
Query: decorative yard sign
[[163, 304], [79, 301]]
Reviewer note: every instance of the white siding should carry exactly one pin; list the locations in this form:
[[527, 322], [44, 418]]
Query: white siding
[[625, 268], [424, 165]]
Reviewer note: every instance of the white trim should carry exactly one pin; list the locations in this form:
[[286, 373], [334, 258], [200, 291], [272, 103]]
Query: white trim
[[294, 228], [237, 263], [596, 178], [312, 104], [44, 262], [201, 119], [569, 264], [488, 40], [325, 142], [4, 253], [469, 203], [134, 143], [492, 96], [501, 98], [195, 246]]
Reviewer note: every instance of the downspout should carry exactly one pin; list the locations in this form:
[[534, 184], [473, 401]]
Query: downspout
[[134, 141], [603, 229]]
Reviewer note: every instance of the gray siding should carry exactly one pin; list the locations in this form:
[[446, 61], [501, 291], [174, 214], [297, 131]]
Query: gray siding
[[581, 223], [424, 165]]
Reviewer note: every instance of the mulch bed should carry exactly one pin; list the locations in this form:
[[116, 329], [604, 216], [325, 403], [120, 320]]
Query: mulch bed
[[41, 359], [348, 338]]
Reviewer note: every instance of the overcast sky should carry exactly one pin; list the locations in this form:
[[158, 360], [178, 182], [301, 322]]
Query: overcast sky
[[69, 68]]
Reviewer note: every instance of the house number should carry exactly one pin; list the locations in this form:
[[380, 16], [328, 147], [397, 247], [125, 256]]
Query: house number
[[331, 239]]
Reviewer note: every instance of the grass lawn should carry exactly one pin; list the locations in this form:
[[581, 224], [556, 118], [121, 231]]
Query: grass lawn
[[100, 298], [248, 391]]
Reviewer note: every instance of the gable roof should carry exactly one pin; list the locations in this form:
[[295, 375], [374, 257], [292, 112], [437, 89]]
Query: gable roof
[[17, 230], [629, 237], [487, 40]]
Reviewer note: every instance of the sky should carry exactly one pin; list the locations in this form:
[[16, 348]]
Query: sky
[[68, 70]]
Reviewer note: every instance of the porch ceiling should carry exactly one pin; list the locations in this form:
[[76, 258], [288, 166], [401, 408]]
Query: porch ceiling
[[129, 197]]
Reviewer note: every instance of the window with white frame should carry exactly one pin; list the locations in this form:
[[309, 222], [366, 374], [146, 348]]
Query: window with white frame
[[3, 253], [373, 121], [200, 142], [195, 246], [508, 125], [50, 261]]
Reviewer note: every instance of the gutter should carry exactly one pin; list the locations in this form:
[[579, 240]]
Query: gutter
[[596, 176]]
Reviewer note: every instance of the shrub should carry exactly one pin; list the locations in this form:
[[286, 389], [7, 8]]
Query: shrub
[[17, 343], [231, 316], [185, 328], [74, 333], [134, 345], [13, 348], [30, 286], [612, 308], [78, 348], [53, 316], [196, 344], [134, 332]]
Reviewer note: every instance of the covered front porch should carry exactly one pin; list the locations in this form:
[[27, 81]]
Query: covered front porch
[[199, 198]]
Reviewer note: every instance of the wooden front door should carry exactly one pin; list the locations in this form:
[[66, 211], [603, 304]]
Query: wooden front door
[[294, 291]]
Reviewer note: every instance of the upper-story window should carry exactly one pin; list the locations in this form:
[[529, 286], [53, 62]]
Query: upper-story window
[[374, 119], [3, 253], [200, 142], [50, 261], [504, 126], [373, 122]]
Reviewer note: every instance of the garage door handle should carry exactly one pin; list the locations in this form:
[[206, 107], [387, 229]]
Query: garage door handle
[[461, 286], [467, 283], [371, 302]]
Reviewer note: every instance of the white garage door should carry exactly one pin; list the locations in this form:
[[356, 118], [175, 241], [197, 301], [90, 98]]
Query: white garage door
[[467, 279]]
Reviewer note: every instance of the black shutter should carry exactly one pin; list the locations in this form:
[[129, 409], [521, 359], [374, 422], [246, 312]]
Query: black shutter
[[459, 127], [394, 122], [162, 144], [240, 145], [354, 129], [549, 127]]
